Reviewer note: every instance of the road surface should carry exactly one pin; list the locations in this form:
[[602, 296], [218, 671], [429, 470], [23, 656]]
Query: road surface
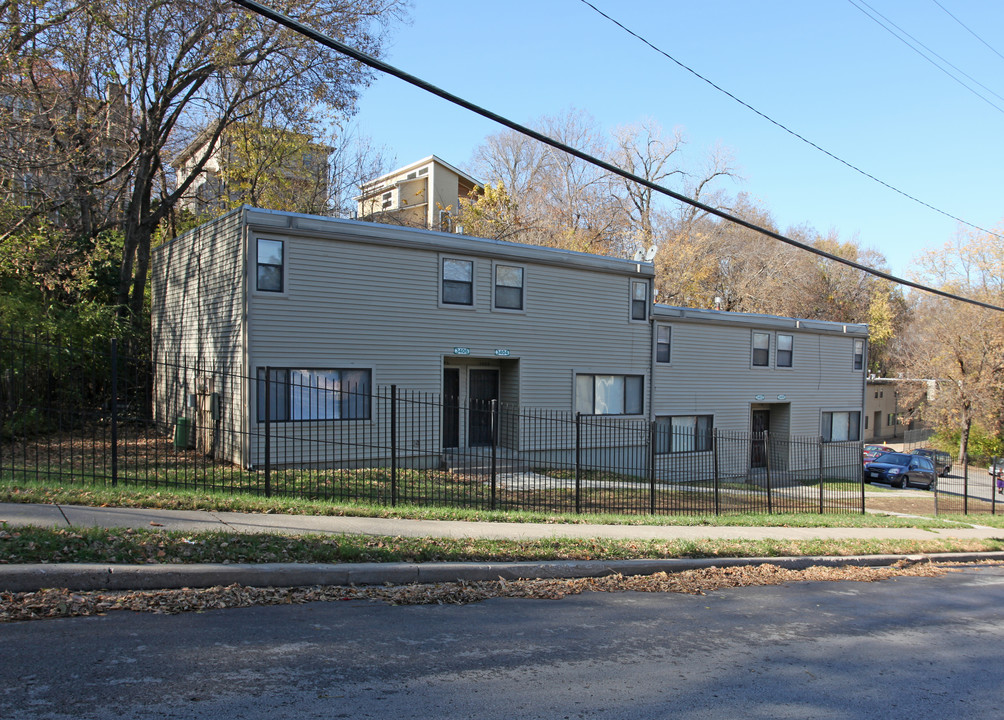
[[908, 648]]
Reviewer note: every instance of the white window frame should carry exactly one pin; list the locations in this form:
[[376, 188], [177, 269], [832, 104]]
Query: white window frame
[[754, 348], [589, 385], [495, 286], [283, 267], [644, 304], [852, 423], [443, 259], [699, 441], [313, 395], [790, 351], [668, 344], [858, 358]]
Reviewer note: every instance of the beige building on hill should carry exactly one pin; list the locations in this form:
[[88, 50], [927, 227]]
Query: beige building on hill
[[268, 166], [424, 194], [891, 404]]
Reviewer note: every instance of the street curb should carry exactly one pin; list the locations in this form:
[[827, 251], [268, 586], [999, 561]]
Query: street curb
[[80, 576]]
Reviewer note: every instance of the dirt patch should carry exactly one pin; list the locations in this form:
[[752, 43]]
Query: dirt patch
[[925, 504], [909, 505]]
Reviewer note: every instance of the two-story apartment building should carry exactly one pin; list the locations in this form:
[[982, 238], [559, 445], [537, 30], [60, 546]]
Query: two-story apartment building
[[312, 304]]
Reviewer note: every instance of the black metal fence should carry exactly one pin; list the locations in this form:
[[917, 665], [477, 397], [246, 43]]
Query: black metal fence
[[970, 487], [102, 416]]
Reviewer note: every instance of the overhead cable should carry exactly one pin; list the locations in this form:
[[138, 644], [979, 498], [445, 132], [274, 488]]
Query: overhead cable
[[380, 65], [791, 132], [888, 25], [969, 30]]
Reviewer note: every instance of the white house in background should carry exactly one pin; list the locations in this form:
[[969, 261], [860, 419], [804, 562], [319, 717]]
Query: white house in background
[[338, 303], [424, 194]]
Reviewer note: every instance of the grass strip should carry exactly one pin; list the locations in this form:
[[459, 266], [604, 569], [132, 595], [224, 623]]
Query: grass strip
[[180, 499], [130, 546]]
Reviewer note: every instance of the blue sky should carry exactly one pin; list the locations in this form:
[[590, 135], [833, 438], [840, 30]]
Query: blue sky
[[820, 67]]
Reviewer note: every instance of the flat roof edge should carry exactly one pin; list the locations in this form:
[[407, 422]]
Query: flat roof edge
[[398, 235], [671, 312]]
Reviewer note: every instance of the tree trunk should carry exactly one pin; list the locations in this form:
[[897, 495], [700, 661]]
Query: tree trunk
[[967, 423]]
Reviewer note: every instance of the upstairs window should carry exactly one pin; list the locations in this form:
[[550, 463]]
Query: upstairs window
[[663, 336], [639, 300], [761, 349], [508, 287], [609, 394], [270, 265], [458, 282], [785, 346], [859, 354]]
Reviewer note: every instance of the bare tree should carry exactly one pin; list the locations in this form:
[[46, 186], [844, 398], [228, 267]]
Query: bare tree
[[182, 67]]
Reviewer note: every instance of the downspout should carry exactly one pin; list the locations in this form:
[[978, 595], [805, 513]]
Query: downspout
[[864, 389], [244, 334], [651, 367]]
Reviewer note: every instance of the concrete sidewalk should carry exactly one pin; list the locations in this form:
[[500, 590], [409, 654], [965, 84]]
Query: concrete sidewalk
[[82, 577], [15, 514]]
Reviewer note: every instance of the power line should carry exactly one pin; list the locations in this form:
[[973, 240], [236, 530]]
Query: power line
[[882, 23], [791, 132], [380, 65], [969, 30]]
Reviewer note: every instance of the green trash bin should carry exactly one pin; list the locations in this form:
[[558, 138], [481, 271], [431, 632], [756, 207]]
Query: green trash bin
[[182, 432]]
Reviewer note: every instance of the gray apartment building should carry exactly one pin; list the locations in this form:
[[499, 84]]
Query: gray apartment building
[[328, 310]]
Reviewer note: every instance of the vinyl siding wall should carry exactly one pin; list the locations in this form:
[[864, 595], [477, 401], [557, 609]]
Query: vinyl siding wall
[[352, 304], [197, 283], [367, 296], [711, 373]]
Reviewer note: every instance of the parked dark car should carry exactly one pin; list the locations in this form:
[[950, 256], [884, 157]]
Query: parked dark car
[[942, 460], [901, 469]]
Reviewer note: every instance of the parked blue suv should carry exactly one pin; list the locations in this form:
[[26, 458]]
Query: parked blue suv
[[901, 469]]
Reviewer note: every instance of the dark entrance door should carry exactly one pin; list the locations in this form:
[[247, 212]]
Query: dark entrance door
[[761, 426], [484, 389], [451, 407]]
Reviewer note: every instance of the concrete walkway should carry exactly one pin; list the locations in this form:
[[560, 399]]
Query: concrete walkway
[[80, 577]]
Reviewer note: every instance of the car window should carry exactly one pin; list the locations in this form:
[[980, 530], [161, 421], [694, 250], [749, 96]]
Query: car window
[[923, 463]]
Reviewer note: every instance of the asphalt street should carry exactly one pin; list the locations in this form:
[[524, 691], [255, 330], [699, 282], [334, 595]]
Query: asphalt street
[[905, 648]]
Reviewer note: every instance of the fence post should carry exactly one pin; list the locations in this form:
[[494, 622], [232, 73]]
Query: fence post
[[393, 445], [965, 485], [651, 467], [578, 462], [715, 468], [268, 431], [821, 459], [993, 486], [495, 442], [115, 411], [770, 494]]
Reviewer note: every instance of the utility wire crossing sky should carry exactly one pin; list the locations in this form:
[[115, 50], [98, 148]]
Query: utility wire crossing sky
[[370, 61]]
